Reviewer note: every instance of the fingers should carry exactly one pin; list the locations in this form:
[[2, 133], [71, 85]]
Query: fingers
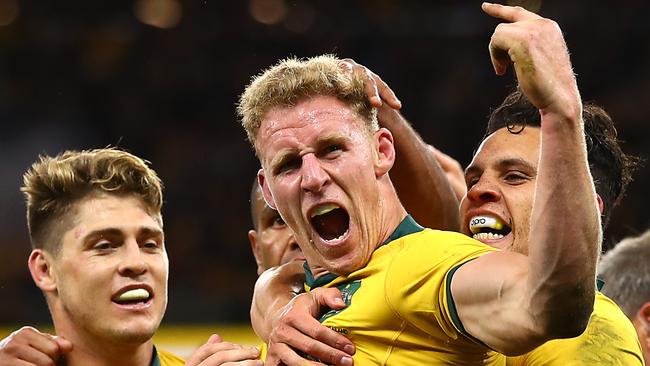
[[298, 328], [241, 356], [281, 354], [503, 46], [330, 297], [215, 338], [29, 345], [316, 341], [508, 13], [376, 89], [217, 352], [65, 346]]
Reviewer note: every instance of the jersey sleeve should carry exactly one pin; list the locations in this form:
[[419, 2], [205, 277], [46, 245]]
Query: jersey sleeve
[[418, 277]]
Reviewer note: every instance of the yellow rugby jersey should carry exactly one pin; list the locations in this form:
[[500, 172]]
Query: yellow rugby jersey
[[164, 358], [610, 339], [399, 307]]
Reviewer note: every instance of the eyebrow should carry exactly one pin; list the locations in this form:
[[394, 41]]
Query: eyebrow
[[510, 162], [142, 231], [281, 158], [287, 154], [501, 164]]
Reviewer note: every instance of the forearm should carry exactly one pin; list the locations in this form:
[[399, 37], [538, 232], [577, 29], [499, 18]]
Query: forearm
[[565, 233], [421, 184], [273, 291]]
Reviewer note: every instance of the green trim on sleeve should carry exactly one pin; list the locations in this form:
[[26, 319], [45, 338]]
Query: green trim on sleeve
[[453, 312], [450, 301]]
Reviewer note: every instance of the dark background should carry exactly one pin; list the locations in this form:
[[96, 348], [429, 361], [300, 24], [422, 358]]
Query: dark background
[[85, 74]]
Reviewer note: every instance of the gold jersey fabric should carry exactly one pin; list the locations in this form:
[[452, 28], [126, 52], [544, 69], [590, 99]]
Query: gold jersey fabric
[[399, 307], [610, 339], [164, 358]]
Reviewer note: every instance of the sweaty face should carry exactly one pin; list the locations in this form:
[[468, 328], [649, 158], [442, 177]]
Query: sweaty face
[[111, 272], [320, 171], [500, 189], [273, 242]]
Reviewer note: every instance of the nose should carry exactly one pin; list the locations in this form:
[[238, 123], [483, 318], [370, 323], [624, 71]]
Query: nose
[[132, 263], [483, 191], [314, 178]]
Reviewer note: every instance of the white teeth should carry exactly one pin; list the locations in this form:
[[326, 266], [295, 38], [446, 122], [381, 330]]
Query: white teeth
[[486, 236], [133, 295], [478, 222], [323, 209]]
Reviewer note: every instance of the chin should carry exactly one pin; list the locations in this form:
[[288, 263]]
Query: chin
[[132, 335]]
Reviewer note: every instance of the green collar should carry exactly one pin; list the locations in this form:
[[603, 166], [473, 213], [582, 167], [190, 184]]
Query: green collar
[[406, 227], [599, 283], [155, 361]]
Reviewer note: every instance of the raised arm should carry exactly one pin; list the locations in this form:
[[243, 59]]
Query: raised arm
[[550, 293], [420, 182]]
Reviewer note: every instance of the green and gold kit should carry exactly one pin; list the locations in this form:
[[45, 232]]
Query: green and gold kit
[[400, 310]]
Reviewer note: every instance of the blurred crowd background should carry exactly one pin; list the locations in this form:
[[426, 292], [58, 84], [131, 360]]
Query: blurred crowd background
[[161, 79]]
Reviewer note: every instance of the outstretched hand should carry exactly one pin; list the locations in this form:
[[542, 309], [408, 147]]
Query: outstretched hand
[[298, 330]]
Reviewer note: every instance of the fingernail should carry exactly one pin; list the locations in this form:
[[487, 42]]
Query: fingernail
[[339, 301], [349, 349], [346, 361]]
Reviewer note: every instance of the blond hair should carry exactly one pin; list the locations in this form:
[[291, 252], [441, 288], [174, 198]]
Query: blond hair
[[293, 80], [52, 185]]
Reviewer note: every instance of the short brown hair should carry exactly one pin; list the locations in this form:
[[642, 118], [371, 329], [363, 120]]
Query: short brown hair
[[293, 80], [52, 185]]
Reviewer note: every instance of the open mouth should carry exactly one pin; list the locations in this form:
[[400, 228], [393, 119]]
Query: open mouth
[[488, 228], [133, 297], [330, 221]]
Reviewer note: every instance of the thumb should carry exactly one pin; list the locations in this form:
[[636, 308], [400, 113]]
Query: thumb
[[65, 346], [330, 297], [215, 338]]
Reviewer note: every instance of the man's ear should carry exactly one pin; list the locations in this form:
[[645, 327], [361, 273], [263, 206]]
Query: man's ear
[[601, 205], [385, 151], [252, 238], [266, 192], [644, 314], [40, 267]]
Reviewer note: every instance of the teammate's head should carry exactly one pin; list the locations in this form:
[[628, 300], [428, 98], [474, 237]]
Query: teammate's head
[[53, 185], [325, 161], [626, 273], [98, 246], [292, 80], [610, 167], [501, 178], [271, 239]]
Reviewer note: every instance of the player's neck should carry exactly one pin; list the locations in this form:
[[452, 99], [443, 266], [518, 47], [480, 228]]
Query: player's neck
[[140, 356], [88, 350]]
